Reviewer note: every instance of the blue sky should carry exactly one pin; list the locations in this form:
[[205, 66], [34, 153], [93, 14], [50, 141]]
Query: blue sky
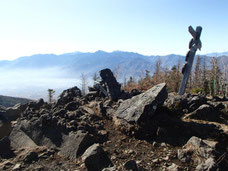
[[150, 27]]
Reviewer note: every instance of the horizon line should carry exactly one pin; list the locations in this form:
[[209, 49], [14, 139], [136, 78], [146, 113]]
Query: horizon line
[[59, 54]]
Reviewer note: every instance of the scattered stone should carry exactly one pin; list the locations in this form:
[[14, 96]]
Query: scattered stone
[[196, 150], [17, 167], [209, 164], [71, 106], [131, 165], [30, 157], [195, 102], [173, 167], [110, 169], [61, 132], [5, 165], [155, 161], [36, 105], [163, 144], [204, 112], [155, 144], [95, 158]]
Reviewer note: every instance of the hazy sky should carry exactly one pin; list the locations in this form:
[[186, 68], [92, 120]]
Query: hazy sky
[[152, 27]]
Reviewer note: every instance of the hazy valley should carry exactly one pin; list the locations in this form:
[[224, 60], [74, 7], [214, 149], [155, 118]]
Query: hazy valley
[[31, 76]]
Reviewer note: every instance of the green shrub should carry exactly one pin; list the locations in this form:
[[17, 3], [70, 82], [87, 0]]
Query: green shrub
[[197, 90]]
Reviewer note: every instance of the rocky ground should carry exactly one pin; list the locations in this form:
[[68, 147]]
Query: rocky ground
[[109, 129]]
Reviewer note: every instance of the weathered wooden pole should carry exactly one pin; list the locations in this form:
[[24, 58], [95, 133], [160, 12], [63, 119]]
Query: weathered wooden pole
[[194, 44]]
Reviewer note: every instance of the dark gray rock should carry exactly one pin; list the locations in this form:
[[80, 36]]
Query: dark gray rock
[[142, 106], [5, 148], [131, 165], [195, 146], [204, 112], [217, 105], [30, 157], [184, 156], [184, 103], [113, 87], [37, 131], [42, 132], [75, 144], [5, 125], [14, 112], [176, 102], [173, 167], [19, 139], [68, 95], [195, 102], [135, 92], [36, 105], [72, 105], [95, 158]]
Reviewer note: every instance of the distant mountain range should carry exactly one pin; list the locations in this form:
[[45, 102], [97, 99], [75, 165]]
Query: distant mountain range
[[217, 54], [31, 76], [7, 101], [76, 63]]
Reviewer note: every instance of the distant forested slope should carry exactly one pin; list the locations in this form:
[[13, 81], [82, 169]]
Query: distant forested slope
[[8, 101]]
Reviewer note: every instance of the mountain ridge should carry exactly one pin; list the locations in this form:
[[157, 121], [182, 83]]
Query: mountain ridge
[[8, 101], [31, 76]]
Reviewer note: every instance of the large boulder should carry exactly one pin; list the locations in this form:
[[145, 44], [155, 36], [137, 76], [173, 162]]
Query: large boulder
[[113, 87], [95, 158], [5, 125], [195, 102], [198, 151], [42, 132], [75, 144], [209, 164], [142, 106], [15, 112], [186, 103], [68, 95], [36, 105], [5, 147], [19, 139]]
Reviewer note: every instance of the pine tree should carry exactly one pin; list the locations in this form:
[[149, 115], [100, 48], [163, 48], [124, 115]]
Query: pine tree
[[51, 93]]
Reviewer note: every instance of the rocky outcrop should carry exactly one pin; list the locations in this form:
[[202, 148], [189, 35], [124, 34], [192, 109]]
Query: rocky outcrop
[[68, 96], [113, 87], [117, 131], [142, 106]]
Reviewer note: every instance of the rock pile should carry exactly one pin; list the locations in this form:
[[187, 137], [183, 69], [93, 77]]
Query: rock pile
[[152, 130]]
